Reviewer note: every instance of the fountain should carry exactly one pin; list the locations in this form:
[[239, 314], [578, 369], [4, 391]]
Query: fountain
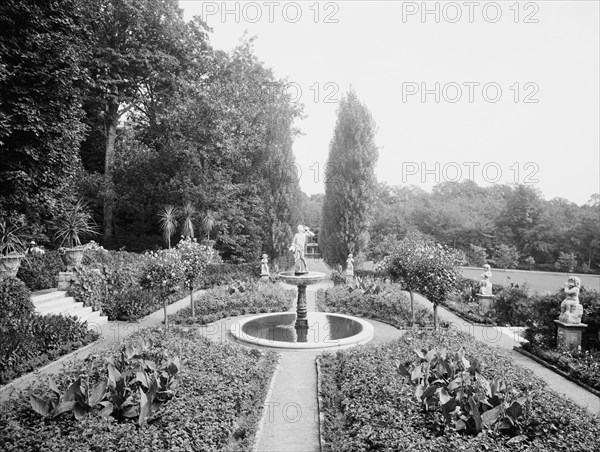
[[291, 330]]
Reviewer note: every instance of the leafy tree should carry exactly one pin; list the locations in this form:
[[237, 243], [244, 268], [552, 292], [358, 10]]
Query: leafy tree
[[41, 79], [138, 52], [477, 255], [506, 256], [566, 262], [349, 182], [425, 267]]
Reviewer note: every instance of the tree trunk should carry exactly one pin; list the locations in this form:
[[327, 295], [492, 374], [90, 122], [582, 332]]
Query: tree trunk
[[192, 302], [165, 309], [412, 308], [109, 163], [435, 306]]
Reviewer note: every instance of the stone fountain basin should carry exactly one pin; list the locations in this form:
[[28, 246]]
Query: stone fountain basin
[[325, 330], [306, 279]]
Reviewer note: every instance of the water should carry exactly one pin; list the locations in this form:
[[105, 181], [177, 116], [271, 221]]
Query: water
[[321, 329]]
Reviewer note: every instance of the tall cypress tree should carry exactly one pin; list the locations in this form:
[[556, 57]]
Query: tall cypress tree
[[349, 182]]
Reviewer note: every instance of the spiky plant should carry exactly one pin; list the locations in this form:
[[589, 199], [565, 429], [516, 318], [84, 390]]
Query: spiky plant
[[208, 222], [11, 241], [73, 223], [187, 213], [168, 222]]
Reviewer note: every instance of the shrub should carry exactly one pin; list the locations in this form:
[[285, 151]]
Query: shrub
[[512, 306], [369, 404], [40, 271], [35, 340], [216, 274], [216, 405], [15, 300], [239, 298], [392, 305]]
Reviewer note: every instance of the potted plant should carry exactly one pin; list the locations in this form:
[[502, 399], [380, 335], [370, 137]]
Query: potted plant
[[11, 248], [71, 225]]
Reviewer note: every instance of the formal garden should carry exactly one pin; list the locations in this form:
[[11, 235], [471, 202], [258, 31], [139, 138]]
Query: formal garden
[[150, 180]]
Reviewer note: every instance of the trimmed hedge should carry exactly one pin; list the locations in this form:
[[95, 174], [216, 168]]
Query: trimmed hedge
[[216, 405], [392, 305], [29, 340], [237, 299], [368, 405], [226, 273], [40, 271]]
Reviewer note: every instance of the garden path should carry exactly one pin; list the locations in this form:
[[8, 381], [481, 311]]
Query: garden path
[[502, 339]]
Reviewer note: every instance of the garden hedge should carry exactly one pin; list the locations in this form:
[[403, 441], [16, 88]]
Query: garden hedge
[[216, 405], [392, 305], [369, 405], [237, 299]]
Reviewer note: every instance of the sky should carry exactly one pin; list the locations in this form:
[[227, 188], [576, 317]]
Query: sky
[[495, 92]]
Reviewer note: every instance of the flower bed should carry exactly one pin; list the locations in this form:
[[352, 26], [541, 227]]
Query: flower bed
[[368, 404], [28, 340], [40, 271], [236, 299], [216, 404], [392, 305], [583, 366]]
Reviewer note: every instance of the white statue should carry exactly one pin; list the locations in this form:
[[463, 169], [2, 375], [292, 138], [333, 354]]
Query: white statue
[[350, 265], [485, 285], [297, 247], [571, 310], [264, 265]]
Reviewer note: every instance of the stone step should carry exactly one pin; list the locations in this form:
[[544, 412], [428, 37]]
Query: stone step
[[55, 304], [48, 296], [58, 302]]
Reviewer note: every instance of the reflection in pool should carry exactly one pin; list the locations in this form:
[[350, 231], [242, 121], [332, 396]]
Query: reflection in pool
[[321, 329]]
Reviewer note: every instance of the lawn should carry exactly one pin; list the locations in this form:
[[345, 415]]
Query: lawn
[[537, 281]]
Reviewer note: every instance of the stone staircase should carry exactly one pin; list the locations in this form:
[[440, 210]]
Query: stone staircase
[[57, 302]]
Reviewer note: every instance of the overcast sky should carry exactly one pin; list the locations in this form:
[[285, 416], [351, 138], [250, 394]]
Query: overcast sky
[[498, 92]]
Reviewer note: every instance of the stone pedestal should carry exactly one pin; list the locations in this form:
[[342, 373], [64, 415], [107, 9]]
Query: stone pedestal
[[65, 279], [486, 302], [569, 334], [264, 276]]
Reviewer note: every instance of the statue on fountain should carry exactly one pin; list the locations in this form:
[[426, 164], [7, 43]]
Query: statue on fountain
[[350, 265], [297, 246], [571, 310], [264, 266]]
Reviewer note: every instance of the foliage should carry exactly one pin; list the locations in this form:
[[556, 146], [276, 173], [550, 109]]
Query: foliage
[[217, 274], [506, 256], [73, 222], [195, 258], [167, 216], [163, 272], [580, 365], [368, 404], [32, 341], [187, 215], [390, 305], [236, 299], [41, 79], [11, 238], [216, 404], [349, 182], [455, 394], [15, 300], [138, 371], [477, 255], [40, 271], [464, 215], [422, 266]]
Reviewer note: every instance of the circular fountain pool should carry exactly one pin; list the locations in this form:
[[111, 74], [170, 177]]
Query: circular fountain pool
[[321, 330]]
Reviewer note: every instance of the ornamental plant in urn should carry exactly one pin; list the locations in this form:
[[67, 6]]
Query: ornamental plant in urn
[[70, 226], [11, 248]]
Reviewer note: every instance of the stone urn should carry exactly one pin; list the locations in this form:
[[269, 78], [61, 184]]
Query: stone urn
[[9, 265], [72, 257]]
